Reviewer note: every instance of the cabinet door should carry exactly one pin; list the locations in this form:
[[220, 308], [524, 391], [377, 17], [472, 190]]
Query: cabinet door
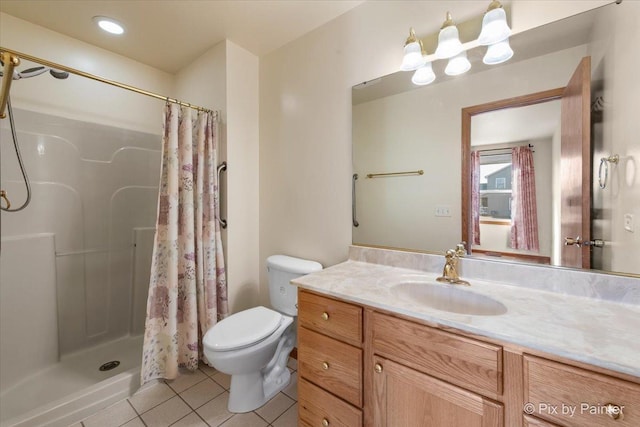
[[404, 397]]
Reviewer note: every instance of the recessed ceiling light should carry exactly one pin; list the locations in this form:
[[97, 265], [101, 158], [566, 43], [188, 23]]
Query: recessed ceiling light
[[109, 25]]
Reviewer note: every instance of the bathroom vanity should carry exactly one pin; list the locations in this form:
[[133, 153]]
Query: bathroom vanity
[[373, 350]]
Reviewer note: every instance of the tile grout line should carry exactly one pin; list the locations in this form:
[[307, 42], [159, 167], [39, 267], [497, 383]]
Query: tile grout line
[[135, 412], [283, 412], [192, 409]]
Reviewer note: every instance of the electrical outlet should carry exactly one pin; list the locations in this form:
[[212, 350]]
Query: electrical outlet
[[443, 211], [628, 222]]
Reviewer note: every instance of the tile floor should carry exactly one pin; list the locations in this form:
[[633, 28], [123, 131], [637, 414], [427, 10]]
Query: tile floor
[[197, 400]]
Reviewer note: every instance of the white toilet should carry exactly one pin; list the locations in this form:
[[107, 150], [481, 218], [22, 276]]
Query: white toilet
[[253, 345]]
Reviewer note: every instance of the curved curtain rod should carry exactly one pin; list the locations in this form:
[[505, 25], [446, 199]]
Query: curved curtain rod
[[50, 64]]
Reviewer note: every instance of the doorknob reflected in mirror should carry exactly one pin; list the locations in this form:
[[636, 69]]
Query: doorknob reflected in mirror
[[570, 241]]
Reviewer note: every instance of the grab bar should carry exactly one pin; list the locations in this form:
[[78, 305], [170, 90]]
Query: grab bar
[[376, 175], [222, 167], [353, 201]]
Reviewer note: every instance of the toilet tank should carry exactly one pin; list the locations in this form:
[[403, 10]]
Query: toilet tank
[[281, 270]]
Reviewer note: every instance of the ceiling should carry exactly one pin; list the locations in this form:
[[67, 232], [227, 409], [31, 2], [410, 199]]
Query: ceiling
[[516, 124], [170, 34]]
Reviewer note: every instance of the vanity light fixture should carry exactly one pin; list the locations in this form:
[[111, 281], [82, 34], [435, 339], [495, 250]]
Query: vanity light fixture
[[449, 44], [494, 34], [109, 25]]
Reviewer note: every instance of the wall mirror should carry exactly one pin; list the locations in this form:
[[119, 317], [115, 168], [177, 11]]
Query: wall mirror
[[412, 135]]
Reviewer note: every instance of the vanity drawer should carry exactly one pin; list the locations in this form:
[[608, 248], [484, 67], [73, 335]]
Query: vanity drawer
[[584, 392], [474, 365], [331, 364], [337, 319], [316, 405]]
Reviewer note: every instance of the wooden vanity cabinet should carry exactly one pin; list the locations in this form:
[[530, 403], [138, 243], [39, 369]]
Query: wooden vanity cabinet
[[329, 362], [360, 366]]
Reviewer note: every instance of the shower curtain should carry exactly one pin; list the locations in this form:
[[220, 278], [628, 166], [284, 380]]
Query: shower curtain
[[188, 289], [524, 212]]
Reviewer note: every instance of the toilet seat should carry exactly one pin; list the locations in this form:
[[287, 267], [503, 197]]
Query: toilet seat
[[243, 329]]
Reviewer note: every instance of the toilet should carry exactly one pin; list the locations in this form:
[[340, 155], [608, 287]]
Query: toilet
[[253, 345]]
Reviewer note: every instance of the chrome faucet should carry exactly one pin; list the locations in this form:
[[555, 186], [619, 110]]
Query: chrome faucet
[[450, 273]]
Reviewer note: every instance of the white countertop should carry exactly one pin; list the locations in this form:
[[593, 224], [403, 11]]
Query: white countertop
[[590, 330]]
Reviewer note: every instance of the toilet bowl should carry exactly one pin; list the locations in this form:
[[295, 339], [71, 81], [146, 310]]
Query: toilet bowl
[[253, 345]]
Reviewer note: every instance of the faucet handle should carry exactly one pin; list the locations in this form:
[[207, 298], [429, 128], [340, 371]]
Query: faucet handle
[[460, 249]]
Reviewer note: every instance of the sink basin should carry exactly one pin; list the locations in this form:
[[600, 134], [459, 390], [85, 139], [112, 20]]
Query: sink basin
[[448, 298]]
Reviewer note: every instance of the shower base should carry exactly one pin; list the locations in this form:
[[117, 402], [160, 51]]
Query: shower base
[[74, 388]]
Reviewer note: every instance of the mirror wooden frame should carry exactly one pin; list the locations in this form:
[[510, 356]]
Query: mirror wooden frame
[[467, 114]]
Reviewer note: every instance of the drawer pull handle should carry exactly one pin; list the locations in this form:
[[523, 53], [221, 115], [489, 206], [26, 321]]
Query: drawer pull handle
[[325, 366], [614, 411], [325, 315], [325, 422], [377, 368]]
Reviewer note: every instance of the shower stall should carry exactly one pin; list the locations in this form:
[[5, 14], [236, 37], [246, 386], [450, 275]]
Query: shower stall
[[75, 265]]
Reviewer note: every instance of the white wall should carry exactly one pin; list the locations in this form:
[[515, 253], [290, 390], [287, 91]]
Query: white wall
[[243, 262], [78, 97], [225, 78], [615, 63]]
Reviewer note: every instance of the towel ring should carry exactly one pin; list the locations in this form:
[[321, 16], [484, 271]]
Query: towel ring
[[605, 162]]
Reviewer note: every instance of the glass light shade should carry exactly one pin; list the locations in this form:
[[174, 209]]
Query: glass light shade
[[413, 58], [498, 53], [494, 27], [448, 43], [423, 75], [457, 65]]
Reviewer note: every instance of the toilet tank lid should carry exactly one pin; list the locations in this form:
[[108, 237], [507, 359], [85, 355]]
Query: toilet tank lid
[[242, 329], [293, 265]]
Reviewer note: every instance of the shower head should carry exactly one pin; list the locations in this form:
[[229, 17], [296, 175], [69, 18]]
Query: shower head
[[36, 71], [59, 74]]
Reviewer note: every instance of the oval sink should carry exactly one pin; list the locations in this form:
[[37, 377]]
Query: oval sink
[[448, 298]]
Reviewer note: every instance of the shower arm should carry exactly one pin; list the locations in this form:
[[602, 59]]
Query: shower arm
[[10, 62]]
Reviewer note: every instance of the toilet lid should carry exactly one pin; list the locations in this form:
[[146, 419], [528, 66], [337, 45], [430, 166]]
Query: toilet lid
[[243, 329]]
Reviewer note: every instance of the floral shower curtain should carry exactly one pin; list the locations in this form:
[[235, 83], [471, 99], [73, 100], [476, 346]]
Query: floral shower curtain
[[524, 213], [188, 289], [475, 196]]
